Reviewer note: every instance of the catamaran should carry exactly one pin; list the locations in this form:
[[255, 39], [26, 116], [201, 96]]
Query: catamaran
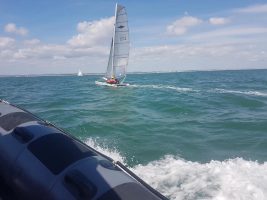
[[119, 50]]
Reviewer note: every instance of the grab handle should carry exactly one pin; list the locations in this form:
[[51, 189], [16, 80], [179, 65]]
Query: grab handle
[[79, 185], [21, 134]]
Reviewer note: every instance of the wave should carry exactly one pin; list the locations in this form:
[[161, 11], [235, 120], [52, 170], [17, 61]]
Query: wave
[[185, 89], [179, 179], [179, 89], [230, 179], [112, 153], [254, 93]]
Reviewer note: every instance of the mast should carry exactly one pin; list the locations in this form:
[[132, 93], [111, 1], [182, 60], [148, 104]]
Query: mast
[[113, 42]]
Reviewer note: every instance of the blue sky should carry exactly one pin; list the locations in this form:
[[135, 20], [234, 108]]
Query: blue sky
[[38, 37]]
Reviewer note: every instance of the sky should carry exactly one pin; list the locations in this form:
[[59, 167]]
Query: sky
[[63, 36]]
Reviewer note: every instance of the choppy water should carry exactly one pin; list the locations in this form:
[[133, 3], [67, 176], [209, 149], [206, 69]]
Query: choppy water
[[191, 135]]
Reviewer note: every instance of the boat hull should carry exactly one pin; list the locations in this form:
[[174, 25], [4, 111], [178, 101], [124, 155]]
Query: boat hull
[[41, 161], [111, 85]]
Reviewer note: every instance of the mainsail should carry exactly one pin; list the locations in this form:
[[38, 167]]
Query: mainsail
[[80, 73], [119, 51]]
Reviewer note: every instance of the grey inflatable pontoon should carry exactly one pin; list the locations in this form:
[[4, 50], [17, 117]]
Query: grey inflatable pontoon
[[40, 161]]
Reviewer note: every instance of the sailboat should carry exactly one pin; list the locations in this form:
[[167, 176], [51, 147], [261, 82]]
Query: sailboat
[[119, 50], [80, 73]]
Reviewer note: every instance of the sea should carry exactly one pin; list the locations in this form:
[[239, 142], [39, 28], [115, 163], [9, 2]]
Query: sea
[[190, 135]]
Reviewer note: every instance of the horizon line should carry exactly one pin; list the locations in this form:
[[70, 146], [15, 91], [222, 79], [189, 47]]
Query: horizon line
[[129, 73]]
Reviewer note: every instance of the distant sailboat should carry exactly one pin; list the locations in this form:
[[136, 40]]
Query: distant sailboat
[[80, 73], [119, 50]]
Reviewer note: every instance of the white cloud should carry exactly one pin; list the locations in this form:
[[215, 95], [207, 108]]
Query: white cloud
[[6, 41], [180, 26], [59, 58], [89, 43], [12, 28], [262, 8], [54, 52], [32, 42], [52, 58], [228, 32], [236, 55], [218, 20], [182, 51], [93, 33]]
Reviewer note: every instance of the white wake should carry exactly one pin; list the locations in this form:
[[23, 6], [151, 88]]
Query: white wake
[[233, 179], [178, 179], [169, 87], [188, 89], [250, 92]]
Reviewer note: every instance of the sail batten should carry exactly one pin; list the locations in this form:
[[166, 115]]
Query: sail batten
[[119, 51]]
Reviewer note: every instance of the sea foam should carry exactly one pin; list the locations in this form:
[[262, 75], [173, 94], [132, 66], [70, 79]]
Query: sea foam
[[170, 87], [185, 89], [253, 93], [218, 180], [178, 179], [112, 153]]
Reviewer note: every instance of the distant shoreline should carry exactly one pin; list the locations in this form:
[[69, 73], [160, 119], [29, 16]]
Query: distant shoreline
[[129, 73]]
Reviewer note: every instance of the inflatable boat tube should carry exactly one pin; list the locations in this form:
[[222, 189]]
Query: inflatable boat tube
[[41, 161]]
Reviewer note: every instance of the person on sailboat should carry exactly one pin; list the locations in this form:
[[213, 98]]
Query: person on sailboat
[[113, 80]]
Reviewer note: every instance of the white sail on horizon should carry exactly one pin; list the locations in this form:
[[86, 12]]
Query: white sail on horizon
[[80, 73]]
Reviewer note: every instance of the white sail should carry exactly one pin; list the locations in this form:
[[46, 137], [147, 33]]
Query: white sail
[[109, 71], [80, 73], [119, 52]]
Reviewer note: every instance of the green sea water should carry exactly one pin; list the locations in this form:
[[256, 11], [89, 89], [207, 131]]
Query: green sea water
[[191, 135]]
